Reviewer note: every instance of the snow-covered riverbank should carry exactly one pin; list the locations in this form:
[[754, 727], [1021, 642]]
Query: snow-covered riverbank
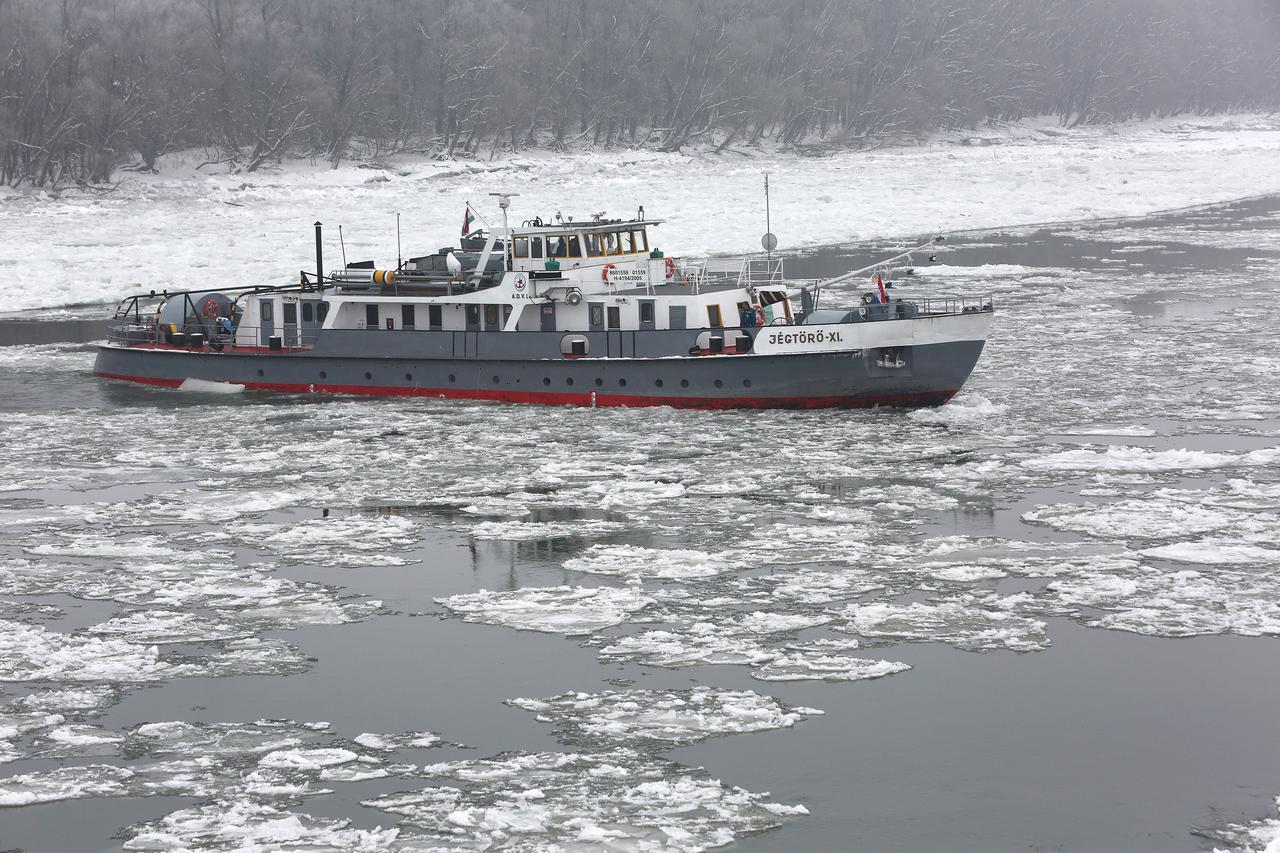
[[187, 228]]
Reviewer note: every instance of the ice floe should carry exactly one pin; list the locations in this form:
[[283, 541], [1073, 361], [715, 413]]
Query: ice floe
[[666, 716], [563, 610]]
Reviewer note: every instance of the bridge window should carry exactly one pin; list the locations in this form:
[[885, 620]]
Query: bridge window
[[535, 247], [594, 245], [520, 247], [624, 239], [641, 241], [611, 244], [575, 247]]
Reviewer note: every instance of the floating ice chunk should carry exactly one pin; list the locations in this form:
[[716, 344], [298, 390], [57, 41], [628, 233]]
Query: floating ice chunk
[[307, 759], [634, 561], [956, 623], [389, 743], [222, 740], [1220, 552], [562, 610], [668, 716], [1176, 604], [1260, 836], [204, 386], [83, 735], [67, 699], [1133, 519], [524, 530], [30, 653], [65, 783], [967, 573], [817, 667], [162, 626], [1135, 431], [246, 825], [701, 643], [634, 494], [352, 540], [969, 409], [619, 799], [1131, 459]]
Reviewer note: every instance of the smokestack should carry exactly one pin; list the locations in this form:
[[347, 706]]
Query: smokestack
[[319, 259]]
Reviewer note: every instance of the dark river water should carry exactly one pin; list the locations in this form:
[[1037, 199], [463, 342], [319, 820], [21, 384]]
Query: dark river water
[[1039, 618]]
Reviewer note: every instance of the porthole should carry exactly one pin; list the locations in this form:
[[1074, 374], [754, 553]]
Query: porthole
[[495, 380], [622, 383], [746, 383], [368, 375], [719, 383], [657, 383], [260, 373], [546, 380], [452, 378], [569, 381], [408, 377], [324, 375], [599, 382], [684, 383]]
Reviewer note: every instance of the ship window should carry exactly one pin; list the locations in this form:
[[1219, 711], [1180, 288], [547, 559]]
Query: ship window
[[371, 316], [713, 317], [575, 247], [291, 313], [556, 246], [593, 245], [611, 243], [641, 240], [520, 247], [625, 240], [433, 317], [646, 312], [535, 247], [506, 314], [491, 317], [322, 311], [407, 316], [267, 310], [308, 313], [615, 317]]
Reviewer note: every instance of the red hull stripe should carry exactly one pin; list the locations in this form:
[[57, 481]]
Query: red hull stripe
[[914, 398]]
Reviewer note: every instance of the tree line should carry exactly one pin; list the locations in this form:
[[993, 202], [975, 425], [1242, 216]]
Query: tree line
[[88, 87]]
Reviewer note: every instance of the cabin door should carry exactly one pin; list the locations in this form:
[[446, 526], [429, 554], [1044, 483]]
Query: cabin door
[[267, 313], [290, 323], [647, 315], [549, 317], [312, 317]]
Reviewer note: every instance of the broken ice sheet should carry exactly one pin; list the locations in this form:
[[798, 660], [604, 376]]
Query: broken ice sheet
[[572, 611], [958, 623], [663, 716], [619, 799]]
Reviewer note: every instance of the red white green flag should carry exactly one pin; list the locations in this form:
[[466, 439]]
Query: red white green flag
[[467, 219]]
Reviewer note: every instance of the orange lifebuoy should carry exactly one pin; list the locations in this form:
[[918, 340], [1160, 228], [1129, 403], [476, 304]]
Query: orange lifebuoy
[[604, 273], [760, 318], [210, 307], [669, 264]]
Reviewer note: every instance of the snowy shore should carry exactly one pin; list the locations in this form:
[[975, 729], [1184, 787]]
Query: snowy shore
[[187, 228]]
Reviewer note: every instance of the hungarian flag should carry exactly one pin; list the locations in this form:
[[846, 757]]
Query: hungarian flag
[[884, 297], [467, 219]]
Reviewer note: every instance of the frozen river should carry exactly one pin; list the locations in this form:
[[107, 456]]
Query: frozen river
[[1039, 618]]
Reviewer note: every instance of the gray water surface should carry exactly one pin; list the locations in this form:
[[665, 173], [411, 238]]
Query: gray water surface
[[1118, 393]]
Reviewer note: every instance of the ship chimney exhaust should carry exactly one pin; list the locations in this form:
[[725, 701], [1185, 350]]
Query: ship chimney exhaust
[[319, 259]]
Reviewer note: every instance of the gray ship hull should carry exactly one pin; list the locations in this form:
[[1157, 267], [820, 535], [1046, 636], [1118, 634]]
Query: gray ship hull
[[486, 366]]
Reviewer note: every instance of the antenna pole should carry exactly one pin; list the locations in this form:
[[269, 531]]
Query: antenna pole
[[768, 226], [343, 244], [399, 263]]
